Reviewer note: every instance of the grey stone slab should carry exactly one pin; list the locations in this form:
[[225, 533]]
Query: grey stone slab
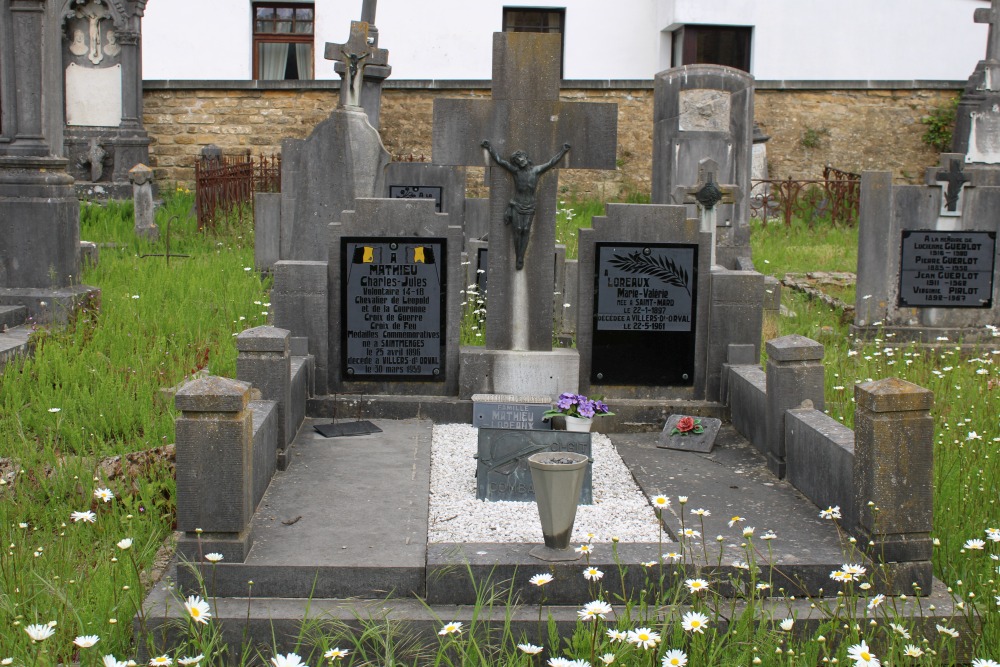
[[734, 481], [213, 394], [53, 305], [266, 436], [747, 400], [12, 316], [737, 318], [477, 219], [691, 442], [819, 453], [307, 531], [300, 304], [518, 371]]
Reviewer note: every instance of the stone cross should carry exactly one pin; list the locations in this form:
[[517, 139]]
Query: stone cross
[[991, 16], [368, 11], [706, 193], [356, 53], [525, 114]]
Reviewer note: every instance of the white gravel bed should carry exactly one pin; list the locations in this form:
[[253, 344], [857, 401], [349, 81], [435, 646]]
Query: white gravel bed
[[619, 508]]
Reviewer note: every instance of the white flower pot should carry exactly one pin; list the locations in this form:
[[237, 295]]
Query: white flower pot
[[579, 424]]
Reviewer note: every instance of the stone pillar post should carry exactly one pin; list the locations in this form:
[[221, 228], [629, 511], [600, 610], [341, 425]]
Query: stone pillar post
[[794, 374], [29, 139], [894, 480], [214, 468], [265, 362], [142, 201]]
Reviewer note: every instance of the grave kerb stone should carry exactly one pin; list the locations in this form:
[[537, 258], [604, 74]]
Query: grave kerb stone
[[794, 374]]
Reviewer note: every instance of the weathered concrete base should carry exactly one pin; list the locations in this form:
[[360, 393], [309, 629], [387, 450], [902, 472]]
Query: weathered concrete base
[[930, 336], [486, 371], [49, 305], [631, 415]]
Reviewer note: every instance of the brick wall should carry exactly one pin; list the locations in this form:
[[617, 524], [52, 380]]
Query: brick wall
[[859, 129]]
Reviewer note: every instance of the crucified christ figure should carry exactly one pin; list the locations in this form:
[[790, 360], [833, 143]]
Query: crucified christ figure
[[521, 209]]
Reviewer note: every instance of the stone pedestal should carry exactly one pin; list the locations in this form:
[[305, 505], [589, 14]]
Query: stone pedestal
[[214, 468], [485, 371], [794, 375], [894, 480]]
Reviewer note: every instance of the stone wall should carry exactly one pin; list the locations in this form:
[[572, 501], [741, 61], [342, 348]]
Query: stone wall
[[850, 128]]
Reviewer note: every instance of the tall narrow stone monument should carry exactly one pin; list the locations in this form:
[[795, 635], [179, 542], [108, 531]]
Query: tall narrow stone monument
[[376, 71], [977, 122], [521, 134], [39, 212], [706, 112], [96, 113]]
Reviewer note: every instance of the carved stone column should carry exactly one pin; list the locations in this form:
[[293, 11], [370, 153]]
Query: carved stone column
[[26, 19]]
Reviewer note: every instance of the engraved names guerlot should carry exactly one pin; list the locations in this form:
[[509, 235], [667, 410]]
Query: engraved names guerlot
[[946, 269], [645, 306], [393, 307]]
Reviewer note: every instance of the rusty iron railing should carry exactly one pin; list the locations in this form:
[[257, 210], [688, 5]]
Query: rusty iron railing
[[835, 198], [225, 185]]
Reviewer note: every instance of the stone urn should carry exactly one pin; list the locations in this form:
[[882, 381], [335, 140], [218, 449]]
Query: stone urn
[[557, 478]]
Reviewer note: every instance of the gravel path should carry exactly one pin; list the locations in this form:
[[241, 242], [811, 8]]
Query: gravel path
[[619, 507]]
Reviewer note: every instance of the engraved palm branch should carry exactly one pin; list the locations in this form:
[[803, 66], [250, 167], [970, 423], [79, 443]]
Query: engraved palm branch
[[658, 267]]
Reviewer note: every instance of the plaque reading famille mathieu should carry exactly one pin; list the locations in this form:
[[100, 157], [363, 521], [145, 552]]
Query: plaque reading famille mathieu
[[946, 269], [435, 192], [393, 308], [644, 306]]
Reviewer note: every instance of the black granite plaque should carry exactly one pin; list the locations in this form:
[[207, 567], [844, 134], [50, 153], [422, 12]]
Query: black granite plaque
[[393, 308], [946, 269], [645, 300], [435, 192], [502, 471]]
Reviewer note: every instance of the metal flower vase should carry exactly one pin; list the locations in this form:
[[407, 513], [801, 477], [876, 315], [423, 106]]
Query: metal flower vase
[[557, 478]]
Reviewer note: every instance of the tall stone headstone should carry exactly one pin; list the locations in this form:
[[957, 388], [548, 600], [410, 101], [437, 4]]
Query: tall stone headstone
[[98, 125], [938, 280], [394, 282], [39, 211], [525, 114], [699, 112]]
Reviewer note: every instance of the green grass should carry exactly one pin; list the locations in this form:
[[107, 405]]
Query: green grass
[[90, 390]]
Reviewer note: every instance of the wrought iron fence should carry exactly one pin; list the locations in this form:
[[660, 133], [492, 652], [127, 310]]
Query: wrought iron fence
[[834, 199], [225, 185]]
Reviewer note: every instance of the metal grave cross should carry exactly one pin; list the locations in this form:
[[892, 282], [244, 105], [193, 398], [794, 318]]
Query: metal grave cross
[[952, 180], [356, 53], [706, 193], [524, 114]]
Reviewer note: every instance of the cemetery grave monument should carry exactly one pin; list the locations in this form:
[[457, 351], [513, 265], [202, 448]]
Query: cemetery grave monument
[[938, 283]]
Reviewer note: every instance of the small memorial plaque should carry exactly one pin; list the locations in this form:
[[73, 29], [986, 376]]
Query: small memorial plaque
[[645, 297], [435, 192], [393, 308], [946, 269], [511, 412], [502, 471]]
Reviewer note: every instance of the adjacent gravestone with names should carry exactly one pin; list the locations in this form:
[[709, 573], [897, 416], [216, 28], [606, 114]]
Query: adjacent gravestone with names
[[949, 269], [936, 283], [394, 281], [445, 185], [502, 471]]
